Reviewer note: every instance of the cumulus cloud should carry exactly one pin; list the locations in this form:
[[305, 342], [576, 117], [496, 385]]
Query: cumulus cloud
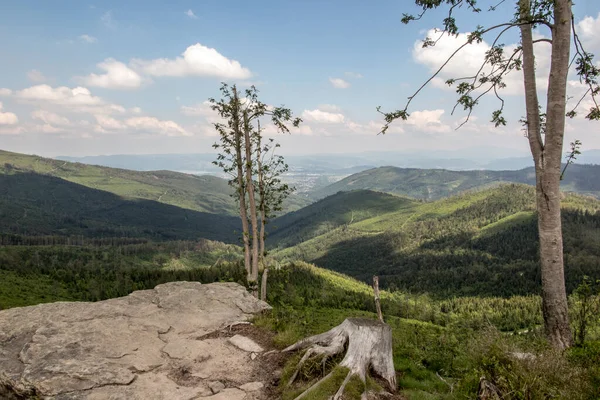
[[50, 118], [428, 121], [191, 14], [201, 109], [36, 76], [154, 125], [87, 39], [5, 92], [78, 99], [323, 117], [145, 124], [588, 30], [196, 60], [468, 61], [339, 83], [117, 76], [329, 108], [7, 118]]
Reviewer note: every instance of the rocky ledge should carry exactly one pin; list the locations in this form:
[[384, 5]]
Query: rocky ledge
[[152, 344]]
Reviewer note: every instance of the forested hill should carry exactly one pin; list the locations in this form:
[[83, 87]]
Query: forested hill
[[478, 243], [199, 193], [41, 205], [433, 184], [343, 208]]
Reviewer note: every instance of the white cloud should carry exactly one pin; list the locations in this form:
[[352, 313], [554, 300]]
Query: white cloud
[[322, 117], [145, 124], [78, 99], [468, 61], [117, 76], [329, 108], [7, 118], [5, 92], [50, 118], [428, 121], [87, 39], [339, 83], [588, 30], [47, 128], [36, 76], [196, 60], [191, 14], [201, 109], [154, 125], [354, 75], [106, 123]]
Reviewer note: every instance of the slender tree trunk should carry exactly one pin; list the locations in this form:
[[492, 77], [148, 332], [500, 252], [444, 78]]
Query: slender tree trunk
[[241, 186], [377, 301], [261, 193], [263, 285], [253, 280], [547, 156]]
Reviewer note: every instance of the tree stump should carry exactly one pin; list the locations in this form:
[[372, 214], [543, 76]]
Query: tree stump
[[369, 347]]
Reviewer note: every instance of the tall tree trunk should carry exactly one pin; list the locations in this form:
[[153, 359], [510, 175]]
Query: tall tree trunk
[[547, 156], [262, 194], [253, 277], [241, 186]]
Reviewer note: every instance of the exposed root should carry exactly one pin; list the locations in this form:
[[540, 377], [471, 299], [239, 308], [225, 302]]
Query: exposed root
[[369, 347]]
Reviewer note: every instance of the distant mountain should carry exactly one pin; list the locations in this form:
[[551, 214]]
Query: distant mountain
[[199, 193], [338, 164], [480, 243], [432, 184]]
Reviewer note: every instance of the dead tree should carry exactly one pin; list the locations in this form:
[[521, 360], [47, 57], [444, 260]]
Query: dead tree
[[369, 347]]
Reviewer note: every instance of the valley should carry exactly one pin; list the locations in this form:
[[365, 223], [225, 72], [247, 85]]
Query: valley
[[449, 268]]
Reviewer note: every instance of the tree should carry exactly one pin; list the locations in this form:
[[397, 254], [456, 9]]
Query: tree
[[242, 158], [544, 130]]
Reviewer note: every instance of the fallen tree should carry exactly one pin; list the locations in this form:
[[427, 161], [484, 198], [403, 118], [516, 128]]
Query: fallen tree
[[369, 348]]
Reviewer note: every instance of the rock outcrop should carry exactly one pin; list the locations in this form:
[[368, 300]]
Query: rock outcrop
[[152, 344]]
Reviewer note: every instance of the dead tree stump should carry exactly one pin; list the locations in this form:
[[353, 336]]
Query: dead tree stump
[[369, 347]]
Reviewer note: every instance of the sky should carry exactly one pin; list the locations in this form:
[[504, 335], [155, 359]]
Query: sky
[[84, 78]]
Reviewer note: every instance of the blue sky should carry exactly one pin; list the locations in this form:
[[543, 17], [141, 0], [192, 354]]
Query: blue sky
[[87, 78]]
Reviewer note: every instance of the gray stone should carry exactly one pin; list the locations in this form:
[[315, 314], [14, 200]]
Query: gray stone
[[228, 394], [216, 386], [246, 344], [141, 346], [252, 386]]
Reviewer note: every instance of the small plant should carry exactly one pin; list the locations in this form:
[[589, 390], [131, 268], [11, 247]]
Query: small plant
[[585, 308]]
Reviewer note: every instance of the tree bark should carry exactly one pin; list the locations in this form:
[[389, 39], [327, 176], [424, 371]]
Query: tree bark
[[547, 156], [369, 347], [253, 276], [263, 285], [377, 302], [240, 178]]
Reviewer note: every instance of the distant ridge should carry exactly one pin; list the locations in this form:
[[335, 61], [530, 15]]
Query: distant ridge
[[433, 184]]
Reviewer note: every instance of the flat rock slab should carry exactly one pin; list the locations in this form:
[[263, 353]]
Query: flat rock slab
[[142, 346], [246, 344]]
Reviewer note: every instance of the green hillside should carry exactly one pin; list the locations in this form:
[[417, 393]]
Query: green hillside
[[478, 243], [34, 204], [332, 212], [433, 184], [199, 193]]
